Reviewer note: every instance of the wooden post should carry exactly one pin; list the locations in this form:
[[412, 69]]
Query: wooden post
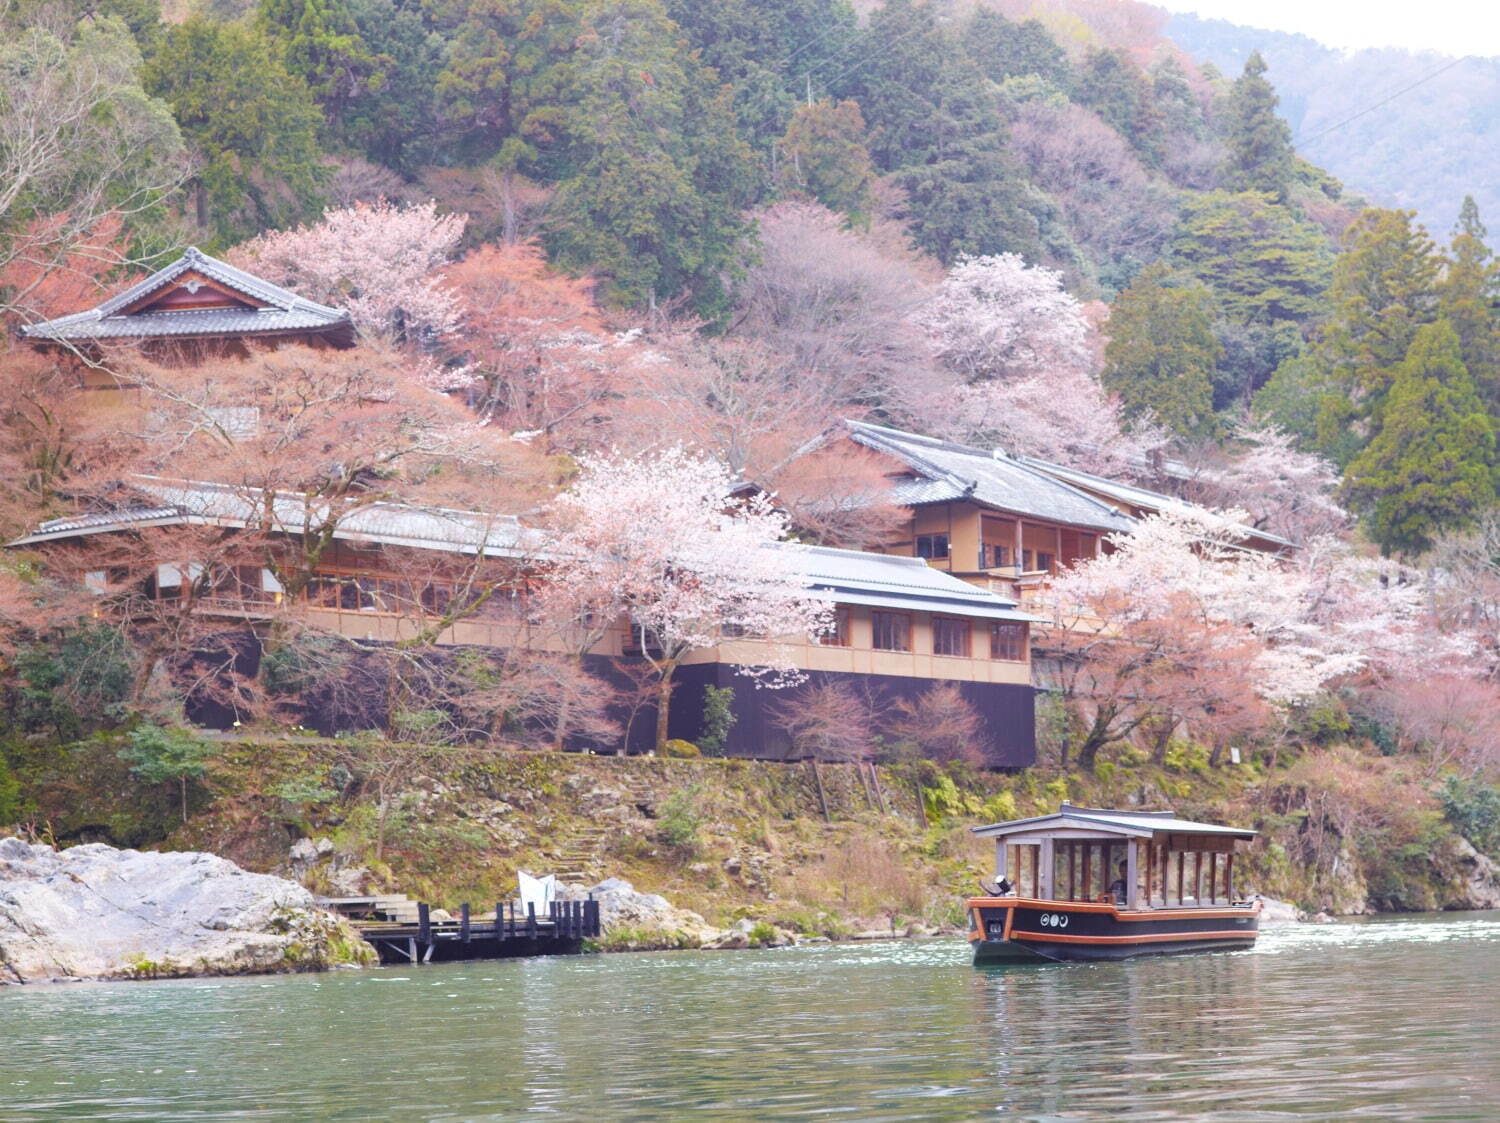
[[1002, 860], [463, 922], [823, 799], [424, 923], [1131, 873], [1213, 877], [1017, 558], [531, 920], [1150, 860], [1181, 862], [1165, 872], [1088, 861], [499, 920], [1229, 877], [1047, 863], [1197, 877]]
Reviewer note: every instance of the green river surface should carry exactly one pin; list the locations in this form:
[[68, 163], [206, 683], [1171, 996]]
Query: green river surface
[[1381, 1019]]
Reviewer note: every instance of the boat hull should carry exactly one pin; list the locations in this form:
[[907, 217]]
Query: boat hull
[[1022, 930]]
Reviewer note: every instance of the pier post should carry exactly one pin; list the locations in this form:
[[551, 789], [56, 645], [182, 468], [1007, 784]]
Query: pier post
[[463, 922], [424, 924], [531, 920]]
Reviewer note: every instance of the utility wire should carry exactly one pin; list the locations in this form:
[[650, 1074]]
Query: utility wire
[[1383, 101], [869, 58]]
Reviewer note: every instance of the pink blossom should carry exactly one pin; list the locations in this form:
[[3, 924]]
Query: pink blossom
[[381, 261]]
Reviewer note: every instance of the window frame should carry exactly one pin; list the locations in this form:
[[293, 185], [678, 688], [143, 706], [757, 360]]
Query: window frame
[[875, 630], [965, 629], [842, 627], [1020, 641], [932, 541]]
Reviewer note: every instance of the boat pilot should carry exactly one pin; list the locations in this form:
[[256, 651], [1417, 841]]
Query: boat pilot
[[1117, 886]]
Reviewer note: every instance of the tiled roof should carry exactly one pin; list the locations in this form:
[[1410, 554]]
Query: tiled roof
[[947, 472], [892, 581], [285, 311], [390, 524], [1134, 496]]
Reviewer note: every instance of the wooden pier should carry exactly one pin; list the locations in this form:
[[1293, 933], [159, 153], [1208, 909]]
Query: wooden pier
[[399, 937]]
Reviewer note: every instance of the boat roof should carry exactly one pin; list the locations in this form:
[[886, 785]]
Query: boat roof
[[1131, 824]]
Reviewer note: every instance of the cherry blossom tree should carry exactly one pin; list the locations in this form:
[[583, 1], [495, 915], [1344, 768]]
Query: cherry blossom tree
[[1064, 415], [1280, 487], [656, 538], [382, 261], [827, 720], [995, 317]]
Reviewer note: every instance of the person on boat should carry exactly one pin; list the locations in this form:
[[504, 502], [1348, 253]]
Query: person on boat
[[1117, 886]]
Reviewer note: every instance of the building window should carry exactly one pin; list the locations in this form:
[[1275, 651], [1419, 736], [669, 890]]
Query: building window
[[994, 557], [1008, 641], [950, 636], [1044, 562], [892, 631], [932, 546], [839, 636]]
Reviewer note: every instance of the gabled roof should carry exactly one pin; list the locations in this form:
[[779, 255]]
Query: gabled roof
[[1127, 824], [891, 581], [269, 310], [946, 472], [188, 503], [1132, 496]]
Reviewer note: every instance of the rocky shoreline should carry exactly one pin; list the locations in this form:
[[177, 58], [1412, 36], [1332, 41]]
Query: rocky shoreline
[[95, 912]]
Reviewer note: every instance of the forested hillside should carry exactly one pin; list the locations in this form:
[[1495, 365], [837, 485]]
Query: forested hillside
[[590, 244], [1368, 115]]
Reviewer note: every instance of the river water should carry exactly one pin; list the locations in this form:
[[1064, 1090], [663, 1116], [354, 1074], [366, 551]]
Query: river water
[[1382, 1019]]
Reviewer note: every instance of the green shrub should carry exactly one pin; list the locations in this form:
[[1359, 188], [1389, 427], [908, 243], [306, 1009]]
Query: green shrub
[[680, 819], [762, 935], [160, 755], [718, 718], [1474, 810], [10, 795], [682, 750]]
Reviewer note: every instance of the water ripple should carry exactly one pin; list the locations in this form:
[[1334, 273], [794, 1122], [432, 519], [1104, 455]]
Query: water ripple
[[1380, 1019]]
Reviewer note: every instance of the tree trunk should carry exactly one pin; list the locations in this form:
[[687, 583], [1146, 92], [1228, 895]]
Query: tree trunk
[[182, 785], [664, 706]]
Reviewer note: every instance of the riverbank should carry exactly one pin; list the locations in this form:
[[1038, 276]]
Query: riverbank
[[829, 853]]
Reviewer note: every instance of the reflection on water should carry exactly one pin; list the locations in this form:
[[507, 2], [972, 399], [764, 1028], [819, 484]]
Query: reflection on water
[[1383, 1019]]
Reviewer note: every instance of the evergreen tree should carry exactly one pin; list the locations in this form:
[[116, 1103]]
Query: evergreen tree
[[1467, 295], [503, 90], [396, 123], [658, 176], [934, 123], [1161, 353], [1292, 399], [1118, 90], [1004, 49], [824, 154], [1263, 264], [1384, 290], [771, 55], [254, 125], [321, 44], [1260, 143], [1431, 468]]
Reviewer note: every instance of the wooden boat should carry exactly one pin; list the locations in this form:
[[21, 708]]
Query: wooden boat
[[1089, 884]]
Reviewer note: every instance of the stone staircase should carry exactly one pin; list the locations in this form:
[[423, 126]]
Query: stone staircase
[[579, 857]]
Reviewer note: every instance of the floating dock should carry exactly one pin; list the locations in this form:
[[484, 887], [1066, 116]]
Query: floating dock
[[404, 932]]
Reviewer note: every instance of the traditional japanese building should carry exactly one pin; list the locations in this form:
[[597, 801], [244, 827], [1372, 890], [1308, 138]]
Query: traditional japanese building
[[194, 308], [902, 626], [1008, 523]]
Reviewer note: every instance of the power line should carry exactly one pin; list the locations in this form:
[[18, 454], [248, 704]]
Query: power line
[[829, 84], [1383, 101]]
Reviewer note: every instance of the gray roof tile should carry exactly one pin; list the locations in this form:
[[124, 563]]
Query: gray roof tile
[[948, 472], [286, 311]]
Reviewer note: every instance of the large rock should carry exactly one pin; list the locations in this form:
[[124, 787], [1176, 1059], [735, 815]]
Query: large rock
[[623, 911], [94, 912], [1477, 879]]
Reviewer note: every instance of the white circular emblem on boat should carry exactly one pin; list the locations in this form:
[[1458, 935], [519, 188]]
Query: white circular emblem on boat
[[1054, 920]]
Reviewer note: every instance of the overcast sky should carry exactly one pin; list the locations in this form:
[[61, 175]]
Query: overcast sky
[[1455, 27]]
